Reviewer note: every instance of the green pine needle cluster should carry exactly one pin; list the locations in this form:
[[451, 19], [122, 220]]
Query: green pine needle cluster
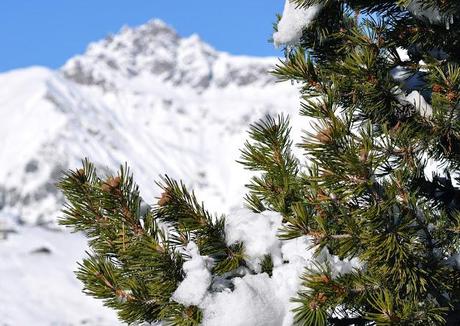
[[136, 259]]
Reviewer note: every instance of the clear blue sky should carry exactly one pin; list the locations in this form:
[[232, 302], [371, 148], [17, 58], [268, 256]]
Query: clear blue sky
[[47, 32]]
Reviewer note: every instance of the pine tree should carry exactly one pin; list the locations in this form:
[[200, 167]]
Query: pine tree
[[363, 192]]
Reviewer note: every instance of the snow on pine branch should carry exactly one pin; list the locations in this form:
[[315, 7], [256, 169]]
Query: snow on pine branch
[[293, 21], [432, 14], [247, 297], [259, 234]]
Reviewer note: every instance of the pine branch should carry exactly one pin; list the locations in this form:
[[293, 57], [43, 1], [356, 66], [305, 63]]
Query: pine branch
[[269, 152], [193, 222], [133, 269]]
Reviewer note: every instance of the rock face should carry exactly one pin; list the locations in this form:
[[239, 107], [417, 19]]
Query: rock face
[[145, 96]]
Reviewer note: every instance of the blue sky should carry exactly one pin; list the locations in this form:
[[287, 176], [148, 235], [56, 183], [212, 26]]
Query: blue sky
[[47, 32]]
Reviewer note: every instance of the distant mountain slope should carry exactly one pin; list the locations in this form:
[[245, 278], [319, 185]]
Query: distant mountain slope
[[145, 96]]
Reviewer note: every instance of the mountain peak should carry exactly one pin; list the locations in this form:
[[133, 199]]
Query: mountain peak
[[157, 23], [154, 27], [155, 50]]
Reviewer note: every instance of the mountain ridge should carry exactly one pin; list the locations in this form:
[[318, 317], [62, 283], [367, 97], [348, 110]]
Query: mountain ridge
[[156, 48]]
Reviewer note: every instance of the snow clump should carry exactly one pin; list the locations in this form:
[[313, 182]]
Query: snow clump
[[194, 287], [293, 21], [257, 232]]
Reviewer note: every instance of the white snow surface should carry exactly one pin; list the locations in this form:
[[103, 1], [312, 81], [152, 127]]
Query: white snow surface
[[38, 285], [420, 103], [254, 301], [293, 21]]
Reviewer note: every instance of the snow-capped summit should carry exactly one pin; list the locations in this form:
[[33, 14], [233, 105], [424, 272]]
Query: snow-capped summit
[[156, 50], [146, 96]]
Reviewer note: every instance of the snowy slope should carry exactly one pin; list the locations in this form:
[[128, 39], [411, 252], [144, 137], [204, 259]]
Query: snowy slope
[[38, 285], [145, 96]]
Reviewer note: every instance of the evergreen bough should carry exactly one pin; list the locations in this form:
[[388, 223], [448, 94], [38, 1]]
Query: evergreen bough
[[362, 193]]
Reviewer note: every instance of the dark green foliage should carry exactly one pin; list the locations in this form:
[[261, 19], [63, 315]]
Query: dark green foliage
[[192, 222], [267, 265], [365, 194], [132, 268], [136, 264], [269, 152]]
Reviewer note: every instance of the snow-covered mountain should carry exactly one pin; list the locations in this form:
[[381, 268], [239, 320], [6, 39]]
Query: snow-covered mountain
[[145, 96]]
